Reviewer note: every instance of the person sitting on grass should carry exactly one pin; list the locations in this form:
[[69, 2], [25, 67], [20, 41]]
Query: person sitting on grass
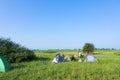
[[90, 57]]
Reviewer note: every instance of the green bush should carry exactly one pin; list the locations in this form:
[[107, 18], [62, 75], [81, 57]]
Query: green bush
[[117, 53], [88, 47], [15, 52]]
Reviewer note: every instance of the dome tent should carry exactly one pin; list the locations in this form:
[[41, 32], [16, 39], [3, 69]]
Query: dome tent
[[4, 64]]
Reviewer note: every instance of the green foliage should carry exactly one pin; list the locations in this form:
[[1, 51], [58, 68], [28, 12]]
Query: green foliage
[[14, 52], [117, 53], [49, 51], [88, 47]]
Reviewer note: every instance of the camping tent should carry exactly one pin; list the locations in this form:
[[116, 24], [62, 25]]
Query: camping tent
[[58, 58], [4, 64], [91, 58]]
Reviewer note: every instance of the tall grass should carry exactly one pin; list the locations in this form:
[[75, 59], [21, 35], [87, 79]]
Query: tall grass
[[42, 69]]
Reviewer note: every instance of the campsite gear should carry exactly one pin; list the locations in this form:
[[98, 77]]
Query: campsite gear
[[80, 55], [68, 58], [72, 58], [58, 58], [80, 60], [4, 64], [54, 60], [90, 58]]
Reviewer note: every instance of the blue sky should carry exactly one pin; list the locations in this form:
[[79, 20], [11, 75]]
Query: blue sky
[[61, 24]]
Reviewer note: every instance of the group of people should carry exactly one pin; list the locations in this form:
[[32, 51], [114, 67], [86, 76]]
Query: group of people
[[81, 58]]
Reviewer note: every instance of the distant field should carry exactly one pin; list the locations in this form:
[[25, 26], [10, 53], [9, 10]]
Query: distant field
[[108, 68]]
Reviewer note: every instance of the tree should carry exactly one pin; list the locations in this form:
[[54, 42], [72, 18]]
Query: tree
[[15, 52], [88, 47]]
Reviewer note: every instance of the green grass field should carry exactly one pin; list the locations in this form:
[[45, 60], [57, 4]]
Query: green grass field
[[108, 68]]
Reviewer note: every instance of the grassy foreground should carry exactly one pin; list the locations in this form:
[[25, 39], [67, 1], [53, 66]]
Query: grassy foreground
[[108, 68]]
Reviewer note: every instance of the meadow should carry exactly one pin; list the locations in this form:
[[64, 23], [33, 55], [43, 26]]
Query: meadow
[[107, 68]]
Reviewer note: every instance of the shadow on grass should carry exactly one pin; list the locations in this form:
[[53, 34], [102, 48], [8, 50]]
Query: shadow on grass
[[18, 67], [42, 58]]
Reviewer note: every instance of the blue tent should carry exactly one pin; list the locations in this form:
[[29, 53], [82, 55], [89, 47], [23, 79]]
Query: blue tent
[[58, 58]]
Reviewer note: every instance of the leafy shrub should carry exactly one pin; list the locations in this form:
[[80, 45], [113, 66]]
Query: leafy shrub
[[117, 53], [88, 47], [14, 52]]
